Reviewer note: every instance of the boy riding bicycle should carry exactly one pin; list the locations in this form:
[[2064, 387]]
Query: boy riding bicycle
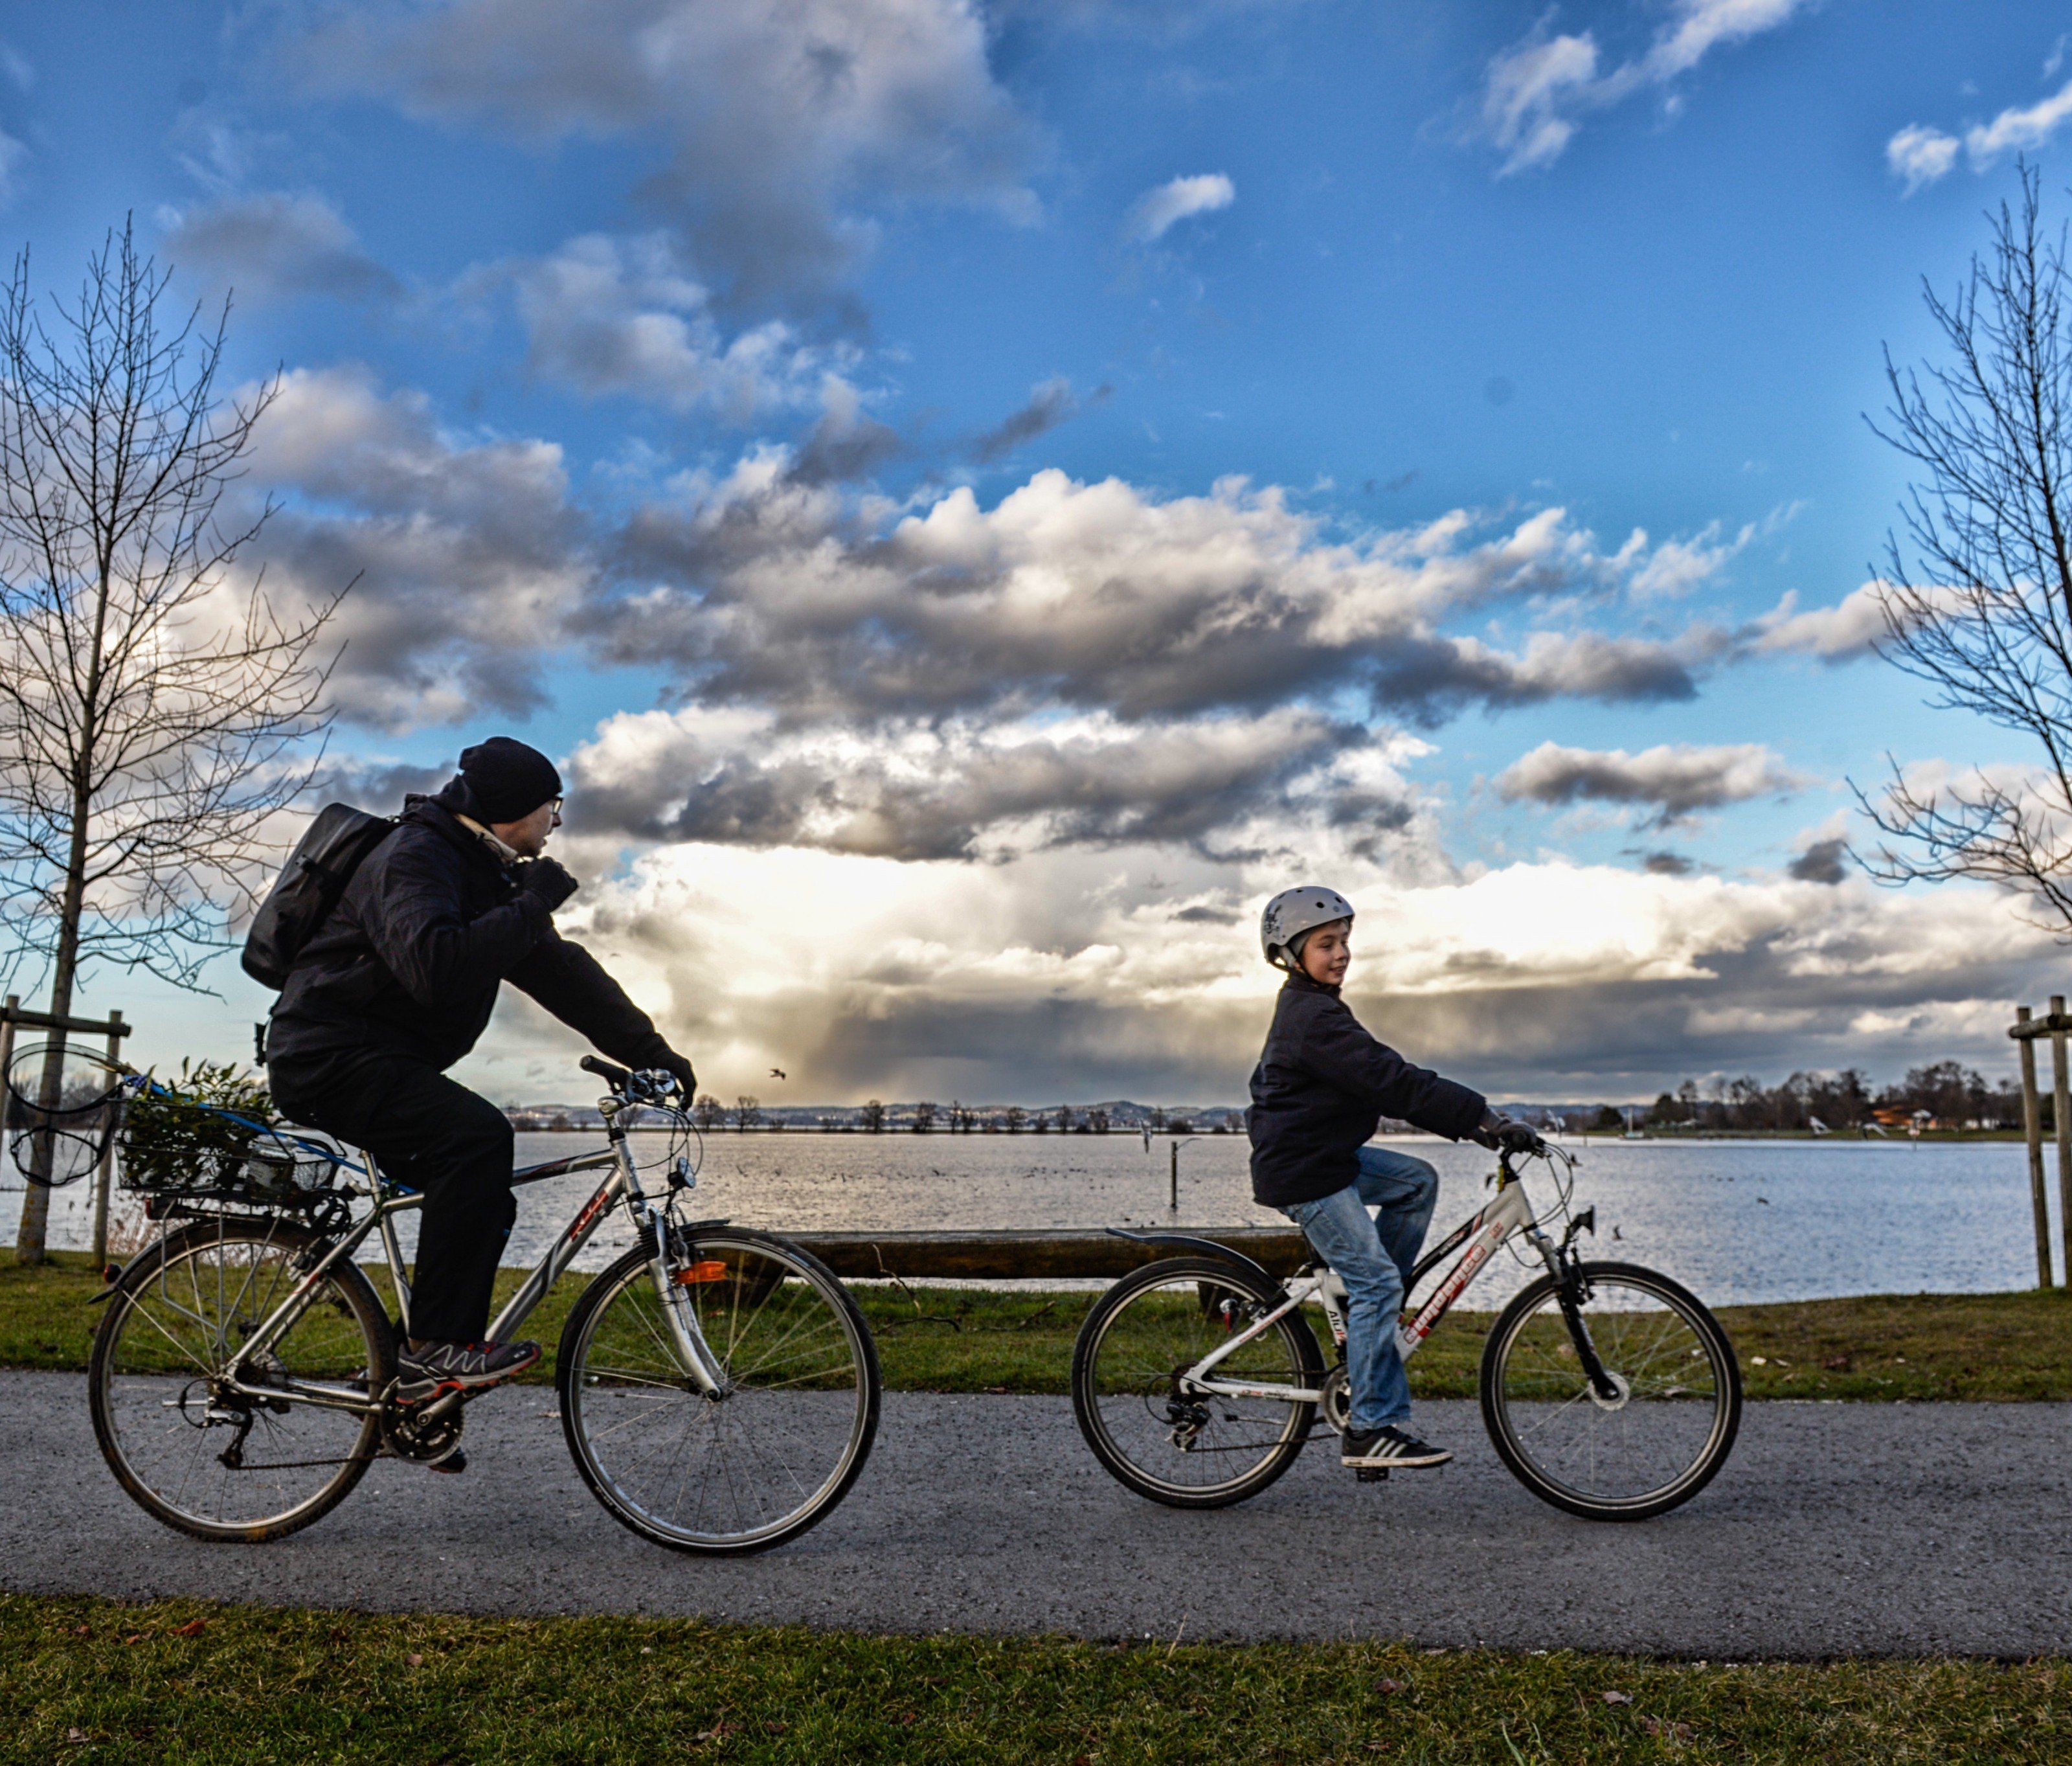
[[1322, 1085]]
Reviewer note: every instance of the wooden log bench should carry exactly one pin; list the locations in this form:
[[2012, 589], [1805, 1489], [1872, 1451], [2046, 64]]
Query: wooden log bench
[[1034, 1254]]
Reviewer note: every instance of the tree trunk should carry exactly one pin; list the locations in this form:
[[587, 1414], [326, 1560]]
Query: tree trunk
[[30, 1238]]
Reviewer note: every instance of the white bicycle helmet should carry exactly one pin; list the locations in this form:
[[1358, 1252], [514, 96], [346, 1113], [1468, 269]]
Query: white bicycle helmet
[[1293, 913]]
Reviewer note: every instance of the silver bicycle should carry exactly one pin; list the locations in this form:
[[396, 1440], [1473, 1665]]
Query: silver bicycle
[[1609, 1390], [718, 1388]]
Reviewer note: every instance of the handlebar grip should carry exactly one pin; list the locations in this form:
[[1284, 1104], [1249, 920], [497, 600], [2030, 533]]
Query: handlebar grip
[[617, 1077]]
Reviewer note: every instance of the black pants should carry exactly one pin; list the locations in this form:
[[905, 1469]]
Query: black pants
[[439, 1137]]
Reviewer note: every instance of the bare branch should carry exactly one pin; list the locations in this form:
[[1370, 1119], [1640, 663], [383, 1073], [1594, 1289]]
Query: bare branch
[[1977, 587]]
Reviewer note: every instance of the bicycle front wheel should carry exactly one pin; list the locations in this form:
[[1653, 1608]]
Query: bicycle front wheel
[[1659, 1441], [1153, 1429], [204, 1434], [746, 1471]]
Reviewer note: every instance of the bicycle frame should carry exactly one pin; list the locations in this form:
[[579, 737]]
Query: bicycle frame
[[1507, 1215], [623, 1187]]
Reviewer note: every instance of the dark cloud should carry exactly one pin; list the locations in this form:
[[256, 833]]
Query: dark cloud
[[466, 557], [783, 128], [277, 246], [952, 792], [1821, 862], [1096, 596], [1675, 781], [844, 447], [1049, 404], [373, 785], [1667, 864]]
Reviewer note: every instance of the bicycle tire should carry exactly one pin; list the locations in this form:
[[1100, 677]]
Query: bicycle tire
[[1149, 1384], [1516, 1375], [361, 1346], [600, 1354]]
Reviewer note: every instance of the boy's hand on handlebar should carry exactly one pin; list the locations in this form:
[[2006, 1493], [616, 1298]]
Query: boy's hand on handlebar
[[1506, 1133]]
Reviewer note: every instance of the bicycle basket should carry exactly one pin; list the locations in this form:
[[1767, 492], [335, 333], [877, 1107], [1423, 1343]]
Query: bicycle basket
[[212, 1137], [62, 1104]]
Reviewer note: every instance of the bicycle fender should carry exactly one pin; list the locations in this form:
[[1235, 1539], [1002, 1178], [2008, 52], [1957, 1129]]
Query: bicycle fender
[[1191, 1241]]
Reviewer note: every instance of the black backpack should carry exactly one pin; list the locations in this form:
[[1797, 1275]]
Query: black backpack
[[302, 896]]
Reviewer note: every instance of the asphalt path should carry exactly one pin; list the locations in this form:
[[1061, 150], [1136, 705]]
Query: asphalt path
[[1835, 1530]]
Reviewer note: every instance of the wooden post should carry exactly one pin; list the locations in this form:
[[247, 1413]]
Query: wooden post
[[1173, 1149], [2032, 1122], [6, 1060], [2061, 1105], [103, 1172]]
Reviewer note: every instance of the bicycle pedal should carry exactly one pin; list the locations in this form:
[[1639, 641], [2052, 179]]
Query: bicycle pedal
[[1371, 1474]]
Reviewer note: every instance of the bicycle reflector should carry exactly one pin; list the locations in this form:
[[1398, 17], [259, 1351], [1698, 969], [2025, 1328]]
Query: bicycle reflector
[[712, 1270]]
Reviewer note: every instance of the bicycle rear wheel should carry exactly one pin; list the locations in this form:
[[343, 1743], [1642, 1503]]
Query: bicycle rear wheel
[[1659, 1442], [1185, 1448], [743, 1473], [192, 1452]]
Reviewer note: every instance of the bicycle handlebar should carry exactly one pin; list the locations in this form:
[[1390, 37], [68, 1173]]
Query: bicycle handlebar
[[650, 1084]]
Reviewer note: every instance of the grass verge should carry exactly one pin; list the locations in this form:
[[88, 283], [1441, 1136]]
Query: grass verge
[[176, 1681], [1914, 1347]]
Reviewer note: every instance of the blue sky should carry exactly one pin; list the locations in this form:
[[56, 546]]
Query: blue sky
[[618, 355]]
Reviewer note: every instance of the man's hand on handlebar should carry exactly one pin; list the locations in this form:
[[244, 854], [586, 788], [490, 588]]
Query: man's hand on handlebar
[[1507, 1134]]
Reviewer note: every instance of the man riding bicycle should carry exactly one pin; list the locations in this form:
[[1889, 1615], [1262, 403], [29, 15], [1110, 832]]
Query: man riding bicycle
[[399, 983], [1321, 1086]]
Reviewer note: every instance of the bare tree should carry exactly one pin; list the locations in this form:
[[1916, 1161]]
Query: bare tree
[[872, 1116], [747, 1113], [708, 1112], [1977, 588], [924, 1117], [154, 711]]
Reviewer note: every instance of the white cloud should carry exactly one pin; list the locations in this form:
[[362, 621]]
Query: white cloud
[[1080, 974], [1674, 780], [621, 316], [2017, 129], [1676, 567], [1538, 90], [1159, 208], [1919, 155]]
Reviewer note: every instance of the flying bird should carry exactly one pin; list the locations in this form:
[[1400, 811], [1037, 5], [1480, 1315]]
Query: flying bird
[[779, 1072]]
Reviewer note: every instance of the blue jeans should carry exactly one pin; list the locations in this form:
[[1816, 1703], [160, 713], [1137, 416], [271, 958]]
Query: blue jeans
[[1373, 1258]]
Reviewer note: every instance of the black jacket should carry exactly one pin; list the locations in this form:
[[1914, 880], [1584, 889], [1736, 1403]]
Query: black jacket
[[430, 927], [1322, 1085]]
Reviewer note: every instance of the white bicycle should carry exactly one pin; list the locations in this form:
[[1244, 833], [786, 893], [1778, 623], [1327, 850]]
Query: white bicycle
[[1608, 1389]]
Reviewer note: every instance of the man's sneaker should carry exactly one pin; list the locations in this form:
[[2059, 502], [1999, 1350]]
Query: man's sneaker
[[440, 1368], [1388, 1446]]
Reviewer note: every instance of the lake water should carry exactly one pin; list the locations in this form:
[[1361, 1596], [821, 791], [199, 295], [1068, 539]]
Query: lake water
[[1736, 1220]]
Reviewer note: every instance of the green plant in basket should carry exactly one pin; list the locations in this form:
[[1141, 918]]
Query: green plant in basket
[[179, 1137]]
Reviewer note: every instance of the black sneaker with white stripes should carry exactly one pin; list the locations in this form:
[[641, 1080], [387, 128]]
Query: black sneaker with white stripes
[[1388, 1446], [437, 1368]]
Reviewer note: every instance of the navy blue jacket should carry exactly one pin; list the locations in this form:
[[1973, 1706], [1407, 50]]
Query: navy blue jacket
[[1322, 1085], [428, 931]]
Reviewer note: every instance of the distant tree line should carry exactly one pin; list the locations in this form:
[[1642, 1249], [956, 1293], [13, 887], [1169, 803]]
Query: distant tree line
[[1955, 1095]]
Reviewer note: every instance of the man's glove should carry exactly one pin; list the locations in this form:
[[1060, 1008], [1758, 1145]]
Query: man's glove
[[542, 877], [1497, 1131], [687, 1081]]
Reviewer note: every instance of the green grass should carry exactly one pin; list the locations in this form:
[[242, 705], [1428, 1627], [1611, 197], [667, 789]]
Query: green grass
[[94, 1681], [1992, 1346]]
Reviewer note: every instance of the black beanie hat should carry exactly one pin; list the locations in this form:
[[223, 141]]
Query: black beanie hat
[[507, 780]]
